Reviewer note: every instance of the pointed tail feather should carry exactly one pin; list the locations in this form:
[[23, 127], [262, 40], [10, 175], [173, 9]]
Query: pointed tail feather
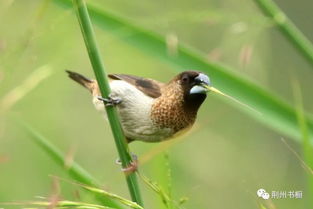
[[82, 80]]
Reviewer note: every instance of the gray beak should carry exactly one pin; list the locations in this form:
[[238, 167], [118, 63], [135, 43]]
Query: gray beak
[[201, 80]]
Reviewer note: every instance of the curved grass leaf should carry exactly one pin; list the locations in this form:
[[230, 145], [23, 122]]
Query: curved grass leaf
[[156, 188], [275, 113], [287, 28], [307, 149], [31, 82], [59, 204], [74, 169], [111, 195]]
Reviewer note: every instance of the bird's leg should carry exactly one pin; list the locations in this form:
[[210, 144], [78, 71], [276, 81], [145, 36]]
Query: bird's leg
[[110, 101], [132, 167]]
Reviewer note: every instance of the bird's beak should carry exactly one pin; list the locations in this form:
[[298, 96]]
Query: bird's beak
[[202, 84], [215, 90]]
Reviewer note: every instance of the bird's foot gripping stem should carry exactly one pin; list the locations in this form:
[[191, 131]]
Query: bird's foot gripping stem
[[110, 101], [132, 167]]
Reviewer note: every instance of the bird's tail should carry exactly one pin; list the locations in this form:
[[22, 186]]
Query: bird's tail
[[82, 80]]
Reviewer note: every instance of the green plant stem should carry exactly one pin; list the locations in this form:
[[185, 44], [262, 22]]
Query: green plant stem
[[98, 68], [291, 32]]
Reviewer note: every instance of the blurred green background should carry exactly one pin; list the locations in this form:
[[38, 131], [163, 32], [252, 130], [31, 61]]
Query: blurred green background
[[227, 156]]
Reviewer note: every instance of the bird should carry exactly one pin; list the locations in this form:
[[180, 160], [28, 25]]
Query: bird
[[150, 110]]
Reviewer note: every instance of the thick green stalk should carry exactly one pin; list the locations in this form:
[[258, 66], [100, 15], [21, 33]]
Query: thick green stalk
[[98, 68], [291, 32]]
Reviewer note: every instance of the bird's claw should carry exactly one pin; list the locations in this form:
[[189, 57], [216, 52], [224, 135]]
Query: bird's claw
[[110, 101], [132, 167]]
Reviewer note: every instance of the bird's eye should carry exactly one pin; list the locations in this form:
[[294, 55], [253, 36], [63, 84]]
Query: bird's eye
[[185, 79]]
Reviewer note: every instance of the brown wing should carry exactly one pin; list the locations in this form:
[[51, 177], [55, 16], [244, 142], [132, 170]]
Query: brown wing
[[149, 87]]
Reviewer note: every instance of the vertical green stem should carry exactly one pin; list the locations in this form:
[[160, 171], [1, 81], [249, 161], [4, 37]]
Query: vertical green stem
[[98, 68], [291, 32]]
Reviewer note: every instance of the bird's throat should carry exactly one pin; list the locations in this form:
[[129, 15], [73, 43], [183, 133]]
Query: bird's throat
[[192, 102], [175, 111]]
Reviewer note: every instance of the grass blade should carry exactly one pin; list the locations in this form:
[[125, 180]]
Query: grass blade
[[74, 170], [276, 114], [102, 192], [31, 82], [307, 149], [98, 68], [157, 189], [60, 204], [215, 90], [287, 28], [111, 195]]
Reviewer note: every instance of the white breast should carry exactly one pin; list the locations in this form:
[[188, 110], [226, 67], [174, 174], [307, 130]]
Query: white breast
[[135, 112]]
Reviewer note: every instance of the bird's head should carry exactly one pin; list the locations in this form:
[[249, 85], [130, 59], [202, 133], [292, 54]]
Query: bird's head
[[194, 86], [193, 82]]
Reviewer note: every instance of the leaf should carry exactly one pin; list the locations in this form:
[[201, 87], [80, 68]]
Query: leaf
[[59, 204], [287, 28], [307, 149], [31, 82], [275, 113], [111, 195], [262, 206], [74, 169], [157, 189]]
